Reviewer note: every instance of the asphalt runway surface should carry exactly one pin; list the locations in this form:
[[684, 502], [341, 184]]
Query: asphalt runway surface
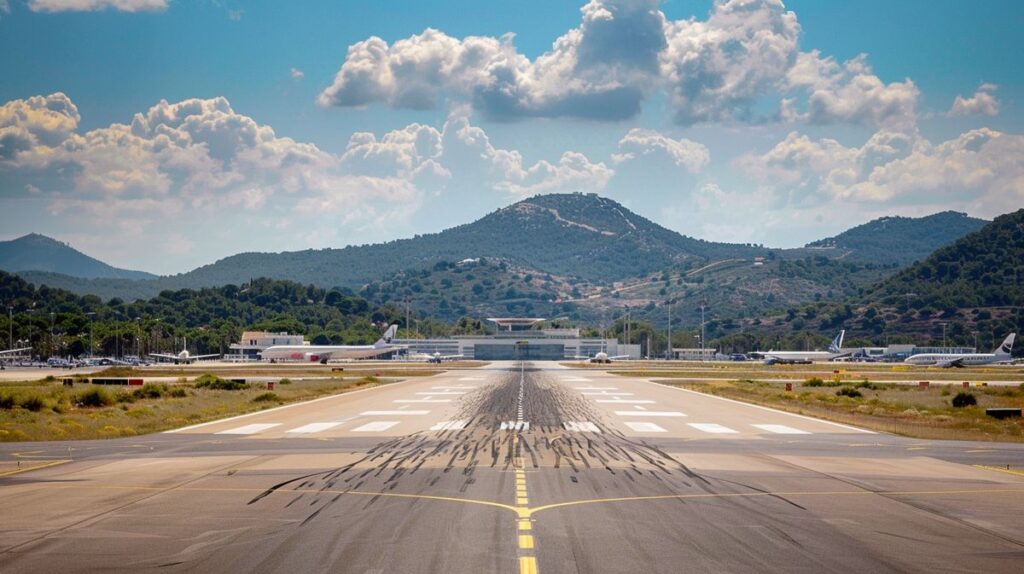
[[515, 468]]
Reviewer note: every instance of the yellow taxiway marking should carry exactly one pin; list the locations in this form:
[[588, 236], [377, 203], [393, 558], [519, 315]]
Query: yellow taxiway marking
[[33, 467], [525, 525], [527, 565], [525, 542], [522, 501], [998, 469]]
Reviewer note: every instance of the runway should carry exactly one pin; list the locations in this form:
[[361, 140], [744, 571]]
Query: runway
[[515, 468]]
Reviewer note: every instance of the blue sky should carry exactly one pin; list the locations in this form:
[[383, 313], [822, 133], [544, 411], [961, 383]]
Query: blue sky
[[738, 120]]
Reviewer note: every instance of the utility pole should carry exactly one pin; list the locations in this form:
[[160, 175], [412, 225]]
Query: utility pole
[[10, 324], [944, 337]]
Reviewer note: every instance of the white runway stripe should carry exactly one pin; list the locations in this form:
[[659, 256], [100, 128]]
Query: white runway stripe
[[391, 413], [513, 425], [442, 393], [780, 429], [712, 428], [313, 427], [581, 426], [450, 425], [375, 426], [644, 427], [250, 429], [649, 414], [422, 401], [606, 394], [625, 401], [471, 379]]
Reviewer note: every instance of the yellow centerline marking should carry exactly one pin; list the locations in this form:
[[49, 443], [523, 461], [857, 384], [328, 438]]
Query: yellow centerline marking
[[525, 525], [35, 467], [998, 469], [525, 542], [527, 565]]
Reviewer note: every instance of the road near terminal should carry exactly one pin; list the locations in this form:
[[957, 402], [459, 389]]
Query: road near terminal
[[514, 468]]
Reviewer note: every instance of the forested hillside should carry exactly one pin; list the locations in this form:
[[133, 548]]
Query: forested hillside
[[900, 240]]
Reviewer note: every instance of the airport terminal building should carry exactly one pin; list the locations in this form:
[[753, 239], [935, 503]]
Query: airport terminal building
[[516, 339]]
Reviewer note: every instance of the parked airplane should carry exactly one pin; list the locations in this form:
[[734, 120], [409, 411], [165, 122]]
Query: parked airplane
[[11, 355], [835, 351], [1000, 355], [324, 353], [183, 357]]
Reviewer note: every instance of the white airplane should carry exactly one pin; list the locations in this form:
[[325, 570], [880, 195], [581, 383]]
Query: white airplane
[[436, 357], [835, 351], [14, 352], [1000, 355], [602, 357], [324, 353], [184, 357]]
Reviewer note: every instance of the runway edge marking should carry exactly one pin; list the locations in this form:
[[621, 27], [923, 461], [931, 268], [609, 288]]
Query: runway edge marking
[[751, 405]]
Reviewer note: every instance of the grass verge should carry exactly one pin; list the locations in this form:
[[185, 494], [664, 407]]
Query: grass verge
[[36, 412], [900, 409]]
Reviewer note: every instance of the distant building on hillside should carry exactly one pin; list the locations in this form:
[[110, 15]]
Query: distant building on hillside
[[254, 342]]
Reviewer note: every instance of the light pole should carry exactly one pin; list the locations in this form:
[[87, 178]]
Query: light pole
[[91, 314], [53, 336], [10, 324], [702, 305], [668, 351], [944, 337]]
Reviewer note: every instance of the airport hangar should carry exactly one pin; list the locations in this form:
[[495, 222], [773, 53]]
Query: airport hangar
[[514, 338]]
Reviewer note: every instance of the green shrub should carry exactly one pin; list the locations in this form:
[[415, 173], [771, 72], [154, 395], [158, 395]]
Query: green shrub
[[963, 399], [33, 403], [8, 401], [178, 392], [945, 391], [814, 382], [285, 381], [266, 397], [849, 392], [149, 391], [216, 383], [125, 397], [95, 397]]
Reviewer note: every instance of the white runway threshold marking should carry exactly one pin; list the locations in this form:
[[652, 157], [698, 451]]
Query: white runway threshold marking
[[649, 414], [780, 429], [644, 427], [596, 388], [581, 426], [250, 429], [471, 379], [515, 425], [392, 413], [605, 394], [625, 401], [375, 426], [712, 428], [313, 427], [450, 425]]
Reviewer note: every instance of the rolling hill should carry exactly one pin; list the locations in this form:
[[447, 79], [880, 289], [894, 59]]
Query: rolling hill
[[36, 252]]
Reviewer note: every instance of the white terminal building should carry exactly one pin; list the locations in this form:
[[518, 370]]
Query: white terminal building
[[253, 343], [515, 338]]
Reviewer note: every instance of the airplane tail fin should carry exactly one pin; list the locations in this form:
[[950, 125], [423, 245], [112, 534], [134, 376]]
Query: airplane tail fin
[[1007, 347], [837, 343], [388, 335]]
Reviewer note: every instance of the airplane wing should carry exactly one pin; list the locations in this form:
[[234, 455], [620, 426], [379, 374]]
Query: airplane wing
[[199, 357], [15, 351], [618, 358], [163, 356]]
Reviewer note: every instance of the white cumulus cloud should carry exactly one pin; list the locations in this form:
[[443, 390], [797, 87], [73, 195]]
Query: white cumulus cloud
[[983, 103], [684, 153]]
